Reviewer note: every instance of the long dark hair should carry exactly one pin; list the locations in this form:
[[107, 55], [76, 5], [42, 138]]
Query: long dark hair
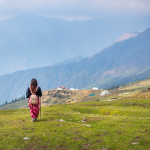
[[33, 84]]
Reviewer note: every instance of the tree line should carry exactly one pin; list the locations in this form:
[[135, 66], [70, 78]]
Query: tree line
[[14, 100]]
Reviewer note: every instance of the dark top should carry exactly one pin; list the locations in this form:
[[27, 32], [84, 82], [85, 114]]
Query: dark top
[[38, 92]]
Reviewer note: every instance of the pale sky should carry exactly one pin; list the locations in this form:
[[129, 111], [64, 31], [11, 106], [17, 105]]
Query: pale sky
[[75, 9]]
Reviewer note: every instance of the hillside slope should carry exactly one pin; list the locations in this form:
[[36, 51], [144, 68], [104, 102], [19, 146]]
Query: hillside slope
[[133, 90], [123, 62]]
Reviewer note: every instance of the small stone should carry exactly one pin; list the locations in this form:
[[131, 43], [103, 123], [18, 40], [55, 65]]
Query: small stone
[[87, 125], [26, 138], [70, 119], [135, 143], [61, 120]]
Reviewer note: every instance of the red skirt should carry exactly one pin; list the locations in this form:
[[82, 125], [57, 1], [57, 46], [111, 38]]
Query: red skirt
[[34, 109]]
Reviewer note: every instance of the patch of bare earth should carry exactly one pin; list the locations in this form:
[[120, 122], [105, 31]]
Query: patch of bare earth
[[120, 132], [106, 133], [45, 147], [106, 149], [31, 146], [80, 138], [61, 147], [86, 146], [93, 119], [76, 132], [137, 138], [99, 141]]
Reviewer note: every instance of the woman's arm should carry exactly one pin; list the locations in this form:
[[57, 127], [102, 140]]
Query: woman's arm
[[39, 92], [28, 93]]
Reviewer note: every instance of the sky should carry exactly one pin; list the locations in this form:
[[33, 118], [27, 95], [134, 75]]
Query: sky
[[75, 9]]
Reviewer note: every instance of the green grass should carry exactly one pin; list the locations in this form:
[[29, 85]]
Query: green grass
[[115, 126]]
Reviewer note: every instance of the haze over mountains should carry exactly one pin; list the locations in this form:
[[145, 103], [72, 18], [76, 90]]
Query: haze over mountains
[[56, 40], [121, 63]]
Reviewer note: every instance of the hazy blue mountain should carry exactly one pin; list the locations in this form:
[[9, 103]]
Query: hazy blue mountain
[[123, 62], [29, 41]]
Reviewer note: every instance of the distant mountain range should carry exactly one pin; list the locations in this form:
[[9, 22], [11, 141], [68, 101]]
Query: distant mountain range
[[51, 40], [121, 63]]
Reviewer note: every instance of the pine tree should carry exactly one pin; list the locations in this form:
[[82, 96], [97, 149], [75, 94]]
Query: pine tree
[[6, 103]]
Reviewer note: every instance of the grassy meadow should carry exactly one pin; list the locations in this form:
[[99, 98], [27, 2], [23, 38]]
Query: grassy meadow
[[118, 124]]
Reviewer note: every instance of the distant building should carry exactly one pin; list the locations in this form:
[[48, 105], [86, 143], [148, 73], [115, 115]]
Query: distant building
[[62, 88], [94, 88], [73, 89]]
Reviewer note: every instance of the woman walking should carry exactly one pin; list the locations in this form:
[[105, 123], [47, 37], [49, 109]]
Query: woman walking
[[33, 93]]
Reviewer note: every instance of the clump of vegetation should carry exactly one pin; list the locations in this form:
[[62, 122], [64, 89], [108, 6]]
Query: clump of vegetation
[[114, 87], [148, 78], [110, 112]]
